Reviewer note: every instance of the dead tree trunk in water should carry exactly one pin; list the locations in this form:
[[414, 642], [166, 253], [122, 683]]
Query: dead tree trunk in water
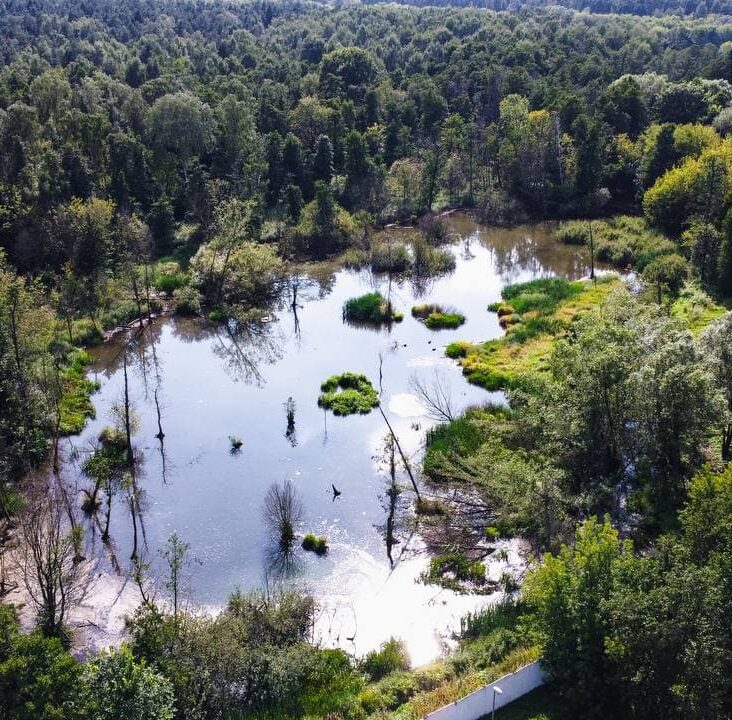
[[127, 419], [405, 461], [160, 434]]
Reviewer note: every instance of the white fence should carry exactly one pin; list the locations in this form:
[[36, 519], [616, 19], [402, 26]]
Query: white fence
[[480, 702]]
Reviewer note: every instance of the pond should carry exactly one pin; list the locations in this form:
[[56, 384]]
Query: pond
[[213, 383]]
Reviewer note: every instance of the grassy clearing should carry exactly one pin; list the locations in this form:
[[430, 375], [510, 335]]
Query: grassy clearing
[[348, 394], [622, 241], [695, 308], [540, 311], [372, 307]]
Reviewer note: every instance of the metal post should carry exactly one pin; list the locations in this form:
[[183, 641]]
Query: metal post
[[496, 691]]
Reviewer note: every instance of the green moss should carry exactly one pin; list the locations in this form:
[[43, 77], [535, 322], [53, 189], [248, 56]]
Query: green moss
[[372, 307], [315, 543], [75, 404], [348, 394]]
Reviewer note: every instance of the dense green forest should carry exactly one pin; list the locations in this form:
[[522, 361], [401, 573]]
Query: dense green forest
[[631, 7], [182, 155]]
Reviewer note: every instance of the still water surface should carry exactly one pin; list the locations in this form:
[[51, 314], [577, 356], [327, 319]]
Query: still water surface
[[213, 384]]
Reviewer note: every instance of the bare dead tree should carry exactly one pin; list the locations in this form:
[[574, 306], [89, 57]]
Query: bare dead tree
[[405, 460], [435, 396], [47, 563], [283, 510]]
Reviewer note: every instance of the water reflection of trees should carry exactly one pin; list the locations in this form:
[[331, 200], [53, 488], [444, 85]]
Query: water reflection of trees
[[245, 347], [533, 250], [395, 502]]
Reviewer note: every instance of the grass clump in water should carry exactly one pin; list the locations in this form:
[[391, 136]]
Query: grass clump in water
[[75, 404], [435, 317], [348, 394], [315, 543], [372, 307]]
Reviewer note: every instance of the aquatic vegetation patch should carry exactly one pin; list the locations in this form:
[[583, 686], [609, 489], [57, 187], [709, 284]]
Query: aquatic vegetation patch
[[315, 543], [462, 436], [75, 405], [372, 307], [543, 311], [428, 260], [435, 317], [622, 241], [456, 571], [348, 394], [390, 257]]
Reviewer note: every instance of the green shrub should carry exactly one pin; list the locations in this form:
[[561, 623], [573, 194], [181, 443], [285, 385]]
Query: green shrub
[[457, 349], [483, 622], [486, 650], [315, 543], [492, 533], [541, 295], [187, 300], [169, 277], [372, 307], [389, 658], [389, 693], [422, 312], [354, 258], [169, 283], [348, 394], [461, 436], [621, 241], [86, 332], [452, 568]]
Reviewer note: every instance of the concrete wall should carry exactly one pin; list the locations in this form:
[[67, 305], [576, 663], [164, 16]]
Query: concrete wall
[[480, 702]]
